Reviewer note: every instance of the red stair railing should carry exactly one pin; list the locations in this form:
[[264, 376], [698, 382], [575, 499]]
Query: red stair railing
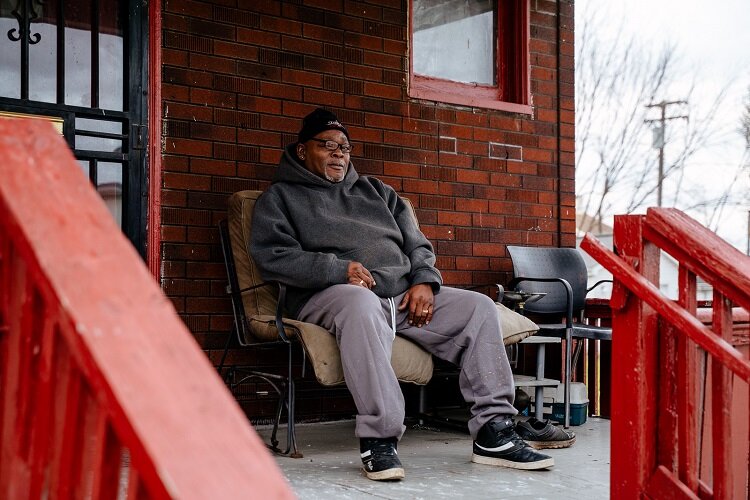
[[103, 391], [661, 446]]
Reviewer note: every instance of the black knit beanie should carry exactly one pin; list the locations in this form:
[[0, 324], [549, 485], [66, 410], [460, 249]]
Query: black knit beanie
[[318, 121]]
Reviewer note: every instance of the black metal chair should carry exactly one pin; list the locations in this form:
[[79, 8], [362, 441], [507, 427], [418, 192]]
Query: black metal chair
[[551, 282]]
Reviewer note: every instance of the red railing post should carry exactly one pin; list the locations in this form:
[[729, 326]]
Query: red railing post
[[687, 388], [700, 253], [721, 435], [634, 339], [95, 365]]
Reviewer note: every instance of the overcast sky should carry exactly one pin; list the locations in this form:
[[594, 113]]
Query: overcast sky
[[712, 41]]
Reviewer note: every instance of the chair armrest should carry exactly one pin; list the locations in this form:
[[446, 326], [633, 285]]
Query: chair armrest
[[568, 293], [500, 292], [247, 289], [279, 310], [597, 284], [500, 289]]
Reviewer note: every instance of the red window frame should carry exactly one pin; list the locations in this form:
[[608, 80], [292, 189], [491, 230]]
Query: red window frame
[[513, 70]]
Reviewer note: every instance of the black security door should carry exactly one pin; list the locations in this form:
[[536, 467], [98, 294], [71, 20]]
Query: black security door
[[82, 64]]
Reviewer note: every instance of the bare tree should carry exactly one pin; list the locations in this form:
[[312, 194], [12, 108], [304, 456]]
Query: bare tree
[[745, 120], [616, 167]]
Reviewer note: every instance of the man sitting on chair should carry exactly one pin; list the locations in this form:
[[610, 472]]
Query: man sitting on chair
[[355, 263]]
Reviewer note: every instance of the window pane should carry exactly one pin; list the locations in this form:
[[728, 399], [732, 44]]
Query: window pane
[[78, 53], [109, 186], [88, 143], [10, 52], [84, 164], [43, 54], [110, 55], [455, 40]]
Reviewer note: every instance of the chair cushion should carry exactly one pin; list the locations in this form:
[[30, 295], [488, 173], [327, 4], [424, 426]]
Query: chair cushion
[[515, 327], [410, 362], [258, 301]]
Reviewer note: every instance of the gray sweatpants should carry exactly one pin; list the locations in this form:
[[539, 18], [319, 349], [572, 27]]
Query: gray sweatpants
[[465, 330]]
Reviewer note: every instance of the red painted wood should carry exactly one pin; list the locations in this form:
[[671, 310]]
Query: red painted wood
[[72, 436], [689, 242], [63, 379], [10, 469], [432, 89], [111, 466], [153, 243], [704, 491], [723, 266], [691, 326], [664, 485], [722, 398], [186, 435], [41, 420], [88, 444], [687, 370], [634, 339], [668, 397], [135, 491], [23, 391]]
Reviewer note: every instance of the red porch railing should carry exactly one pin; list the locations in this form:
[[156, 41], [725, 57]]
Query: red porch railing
[[103, 391], [666, 443]]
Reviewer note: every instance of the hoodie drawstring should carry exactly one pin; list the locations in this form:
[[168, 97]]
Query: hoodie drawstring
[[393, 314]]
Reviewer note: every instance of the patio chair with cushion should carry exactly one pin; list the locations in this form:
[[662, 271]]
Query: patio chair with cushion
[[258, 322]]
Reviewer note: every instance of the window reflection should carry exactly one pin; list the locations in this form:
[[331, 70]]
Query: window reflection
[[455, 40], [78, 53], [90, 142], [45, 49], [43, 55], [110, 55], [84, 164], [109, 186], [10, 54]]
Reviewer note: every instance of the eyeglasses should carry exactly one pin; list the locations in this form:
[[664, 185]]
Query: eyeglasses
[[333, 145]]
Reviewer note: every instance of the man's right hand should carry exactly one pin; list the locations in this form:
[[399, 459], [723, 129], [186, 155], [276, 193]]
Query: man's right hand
[[357, 274]]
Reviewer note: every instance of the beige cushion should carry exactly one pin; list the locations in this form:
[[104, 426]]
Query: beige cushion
[[515, 327], [410, 362], [260, 300]]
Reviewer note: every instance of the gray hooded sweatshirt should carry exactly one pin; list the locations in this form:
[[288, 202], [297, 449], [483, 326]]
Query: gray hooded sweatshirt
[[306, 231]]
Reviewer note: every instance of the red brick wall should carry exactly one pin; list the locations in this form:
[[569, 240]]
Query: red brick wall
[[238, 77]]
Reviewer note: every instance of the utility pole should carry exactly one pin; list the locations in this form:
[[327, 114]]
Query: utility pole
[[660, 134]]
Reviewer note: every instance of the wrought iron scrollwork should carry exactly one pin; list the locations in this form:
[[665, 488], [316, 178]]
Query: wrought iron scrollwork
[[25, 12]]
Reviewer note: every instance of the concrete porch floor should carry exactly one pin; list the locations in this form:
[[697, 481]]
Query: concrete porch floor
[[437, 465]]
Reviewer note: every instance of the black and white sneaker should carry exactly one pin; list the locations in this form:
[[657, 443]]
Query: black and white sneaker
[[498, 444], [380, 459]]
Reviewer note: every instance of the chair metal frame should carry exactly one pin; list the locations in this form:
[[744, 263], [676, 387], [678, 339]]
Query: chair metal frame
[[552, 304], [283, 385]]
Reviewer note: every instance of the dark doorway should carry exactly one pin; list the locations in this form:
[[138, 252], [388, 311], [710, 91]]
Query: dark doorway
[[83, 64]]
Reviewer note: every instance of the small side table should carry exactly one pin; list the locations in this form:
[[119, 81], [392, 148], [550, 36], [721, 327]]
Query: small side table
[[520, 298], [538, 382]]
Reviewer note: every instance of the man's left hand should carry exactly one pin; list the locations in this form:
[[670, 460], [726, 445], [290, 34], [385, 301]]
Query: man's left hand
[[419, 299]]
